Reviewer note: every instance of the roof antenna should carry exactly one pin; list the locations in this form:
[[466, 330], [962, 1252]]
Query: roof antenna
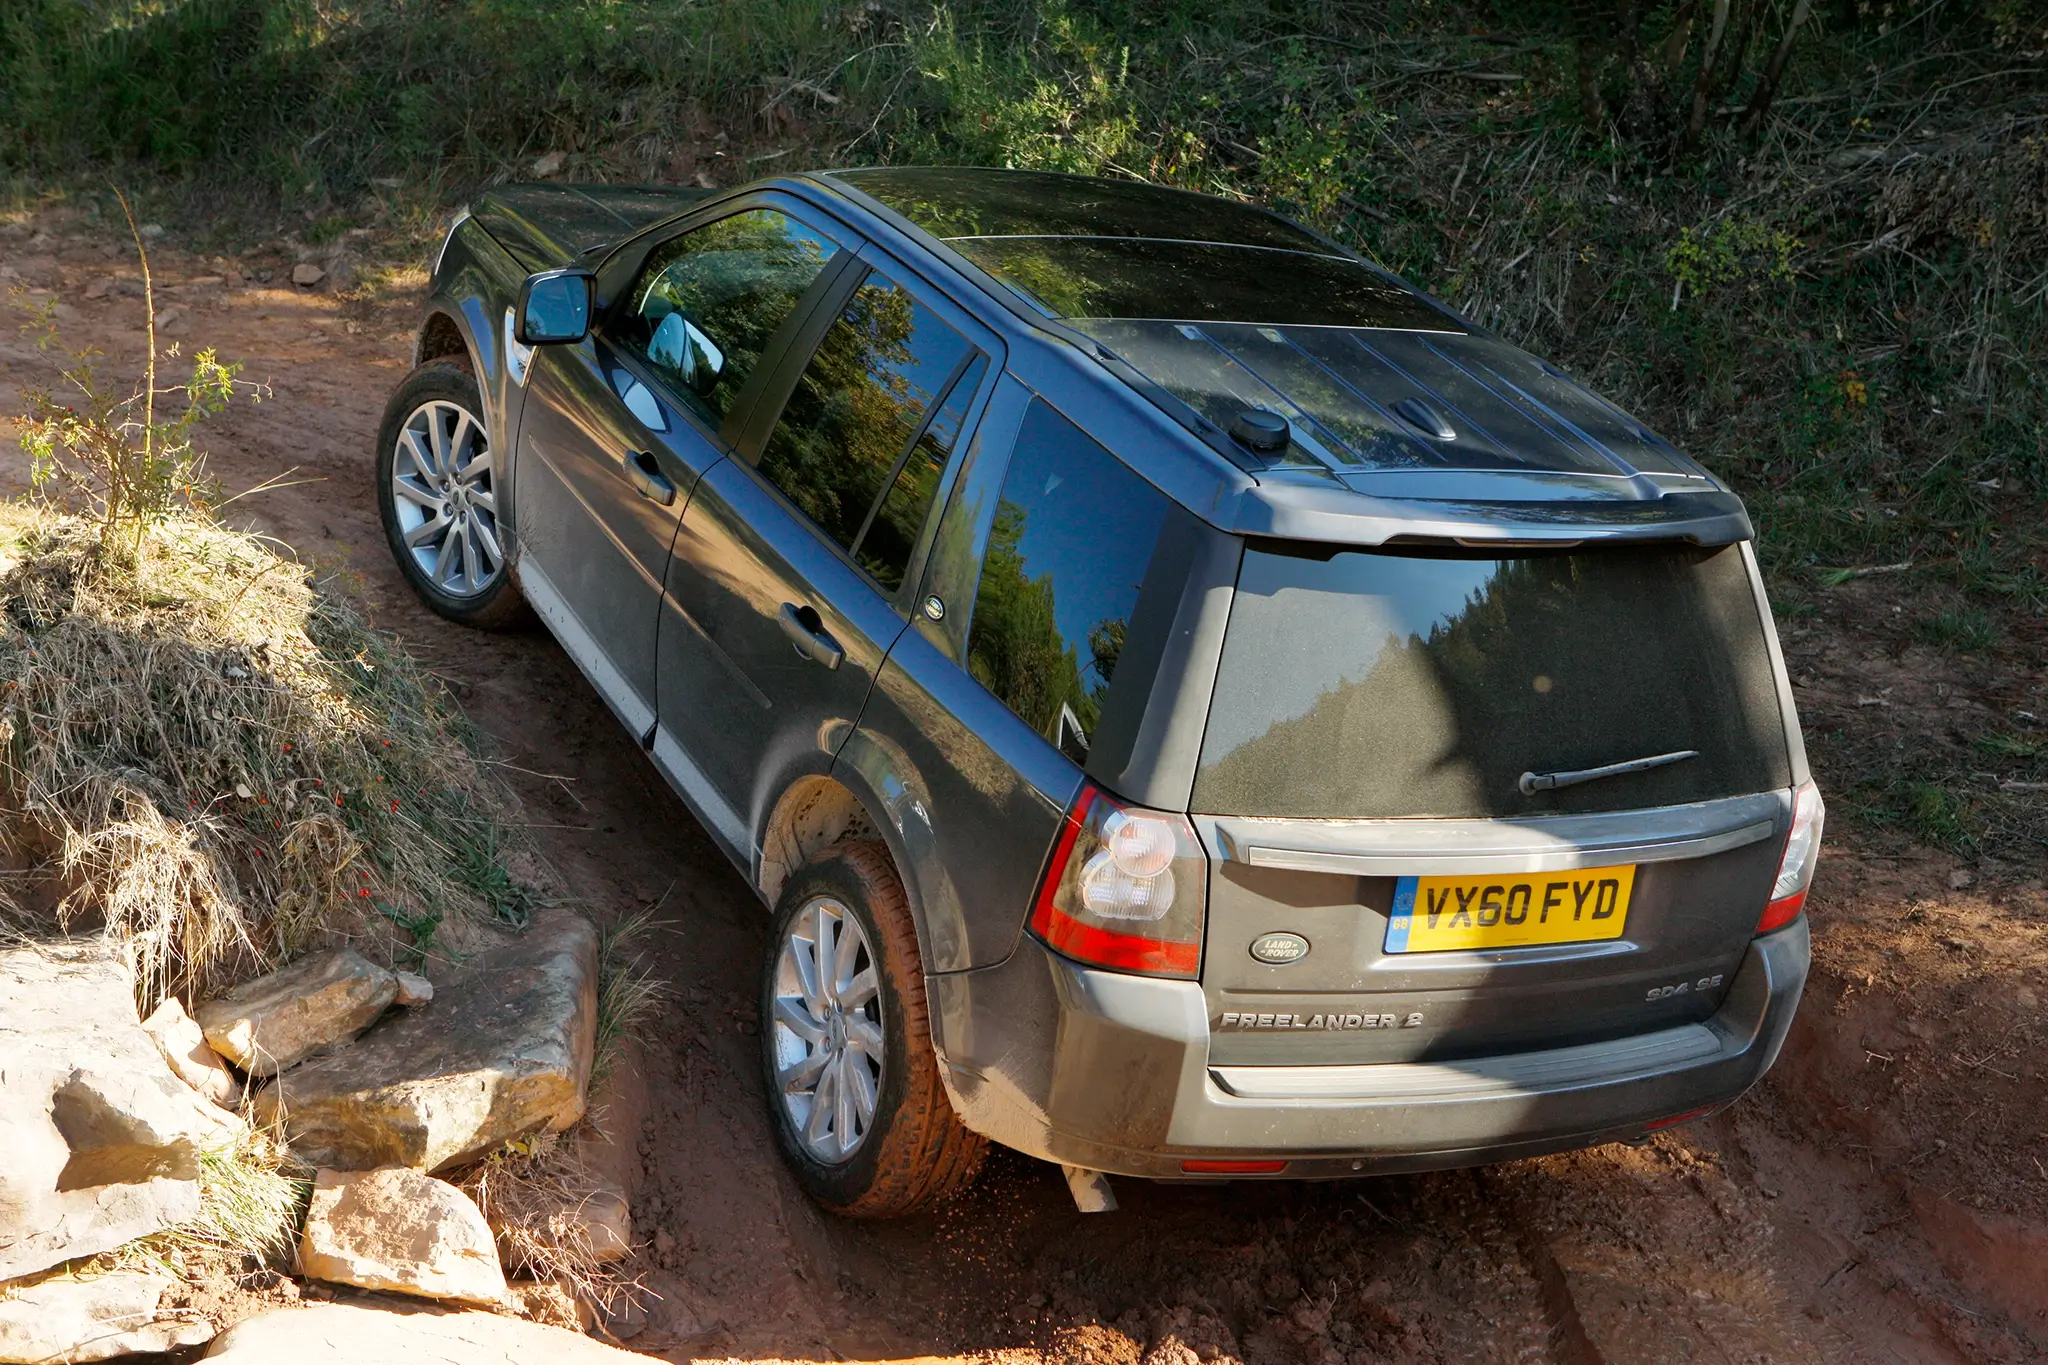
[[1259, 430]]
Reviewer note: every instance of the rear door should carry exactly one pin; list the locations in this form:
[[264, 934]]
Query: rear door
[[1398, 773], [788, 578]]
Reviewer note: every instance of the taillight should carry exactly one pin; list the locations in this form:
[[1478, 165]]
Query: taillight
[[1125, 889], [1795, 867]]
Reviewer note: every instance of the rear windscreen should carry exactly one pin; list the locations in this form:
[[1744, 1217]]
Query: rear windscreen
[[1361, 684]]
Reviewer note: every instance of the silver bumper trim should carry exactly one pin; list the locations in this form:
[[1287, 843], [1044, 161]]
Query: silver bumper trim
[[1482, 1077]]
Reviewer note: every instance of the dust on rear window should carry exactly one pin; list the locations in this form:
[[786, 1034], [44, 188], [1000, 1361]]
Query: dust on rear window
[[1362, 684]]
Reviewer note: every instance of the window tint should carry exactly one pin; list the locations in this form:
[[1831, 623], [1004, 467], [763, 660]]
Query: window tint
[[847, 427], [737, 279], [1073, 534], [884, 548], [1368, 684]]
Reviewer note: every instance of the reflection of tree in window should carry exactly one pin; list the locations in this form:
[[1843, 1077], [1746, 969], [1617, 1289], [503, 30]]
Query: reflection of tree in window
[[1017, 652], [857, 405], [737, 279], [1072, 538]]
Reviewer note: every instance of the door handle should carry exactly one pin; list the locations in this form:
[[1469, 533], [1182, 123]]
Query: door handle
[[807, 633], [647, 479]]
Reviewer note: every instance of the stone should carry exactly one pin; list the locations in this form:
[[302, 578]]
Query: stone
[[305, 274], [276, 1021], [504, 1050], [64, 1319], [178, 1037], [553, 1302], [343, 1334], [100, 1141], [98, 289], [403, 1232], [414, 989]]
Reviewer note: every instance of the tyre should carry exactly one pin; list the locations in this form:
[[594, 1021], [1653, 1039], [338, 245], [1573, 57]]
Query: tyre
[[437, 491], [846, 1044]]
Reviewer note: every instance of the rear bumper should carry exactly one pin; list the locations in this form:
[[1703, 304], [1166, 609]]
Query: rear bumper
[[1123, 1083]]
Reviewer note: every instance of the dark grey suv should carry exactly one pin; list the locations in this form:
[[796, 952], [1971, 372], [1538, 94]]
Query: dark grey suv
[[1197, 707]]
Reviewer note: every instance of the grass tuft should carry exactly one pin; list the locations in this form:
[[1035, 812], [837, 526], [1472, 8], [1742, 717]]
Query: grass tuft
[[225, 767]]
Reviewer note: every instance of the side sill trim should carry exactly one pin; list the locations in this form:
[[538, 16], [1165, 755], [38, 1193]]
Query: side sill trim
[[702, 798], [555, 613]]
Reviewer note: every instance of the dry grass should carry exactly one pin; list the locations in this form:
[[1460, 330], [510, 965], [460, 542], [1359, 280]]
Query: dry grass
[[628, 992], [251, 1199], [226, 766], [533, 1194]]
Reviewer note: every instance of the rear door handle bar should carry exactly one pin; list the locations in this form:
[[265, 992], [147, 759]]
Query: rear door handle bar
[[647, 479], [807, 632]]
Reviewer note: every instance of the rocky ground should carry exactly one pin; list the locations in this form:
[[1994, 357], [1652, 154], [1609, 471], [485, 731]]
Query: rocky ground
[[1880, 1198]]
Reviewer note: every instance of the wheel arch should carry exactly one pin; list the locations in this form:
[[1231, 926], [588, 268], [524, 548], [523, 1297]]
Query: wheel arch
[[817, 811]]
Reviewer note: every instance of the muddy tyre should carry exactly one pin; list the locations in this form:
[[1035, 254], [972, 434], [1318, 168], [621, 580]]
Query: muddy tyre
[[852, 1080], [437, 495]]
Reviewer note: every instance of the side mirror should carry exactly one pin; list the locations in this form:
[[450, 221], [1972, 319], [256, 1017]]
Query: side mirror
[[555, 306], [680, 347]]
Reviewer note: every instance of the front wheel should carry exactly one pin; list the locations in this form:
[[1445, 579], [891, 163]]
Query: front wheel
[[853, 1083], [438, 487]]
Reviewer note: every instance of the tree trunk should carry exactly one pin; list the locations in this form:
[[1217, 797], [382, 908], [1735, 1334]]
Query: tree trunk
[[1702, 87], [1767, 88]]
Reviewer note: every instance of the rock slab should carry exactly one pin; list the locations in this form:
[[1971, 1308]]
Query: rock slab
[[400, 1231], [99, 1139], [503, 1050], [64, 1320], [184, 1046], [276, 1021], [343, 1334]]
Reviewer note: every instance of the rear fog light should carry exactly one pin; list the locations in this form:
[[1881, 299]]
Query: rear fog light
[[1687, 1117], [1232, 1167]]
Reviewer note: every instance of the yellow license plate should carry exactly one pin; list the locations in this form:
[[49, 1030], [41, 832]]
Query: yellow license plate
[[1443, 914]]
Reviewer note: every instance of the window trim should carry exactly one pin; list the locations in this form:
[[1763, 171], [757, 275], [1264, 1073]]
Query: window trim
[[940, 398], [981, 340]]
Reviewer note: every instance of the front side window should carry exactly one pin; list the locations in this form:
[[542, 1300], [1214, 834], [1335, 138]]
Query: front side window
[[729, 284], [1073, 534], [855, 425]]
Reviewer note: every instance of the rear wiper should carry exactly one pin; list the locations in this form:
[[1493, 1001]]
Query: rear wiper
[[1531, 783]]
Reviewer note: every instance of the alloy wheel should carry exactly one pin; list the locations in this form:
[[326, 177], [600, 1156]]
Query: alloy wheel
[[827, 1032], [444, 492]]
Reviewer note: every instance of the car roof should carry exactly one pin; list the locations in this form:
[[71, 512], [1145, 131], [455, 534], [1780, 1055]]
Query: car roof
[[1406, 420]]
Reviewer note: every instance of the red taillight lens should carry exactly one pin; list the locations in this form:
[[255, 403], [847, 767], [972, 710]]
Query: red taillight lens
[[1124, 889], [1672, 1122], [1232, 1167], [1796, 864]]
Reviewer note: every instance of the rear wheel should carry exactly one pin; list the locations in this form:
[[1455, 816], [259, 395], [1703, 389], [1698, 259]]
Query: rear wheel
[[852, 1079], [437, 488]]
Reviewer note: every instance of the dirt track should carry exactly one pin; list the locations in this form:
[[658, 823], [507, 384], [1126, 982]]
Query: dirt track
[[1882, 1197]]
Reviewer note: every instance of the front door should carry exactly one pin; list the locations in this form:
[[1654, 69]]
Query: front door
[[620, 428], [787, 583]]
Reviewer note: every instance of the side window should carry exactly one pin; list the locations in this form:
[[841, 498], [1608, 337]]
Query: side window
[[855, 426], [1073, 534], [731, 282], [884, 549]]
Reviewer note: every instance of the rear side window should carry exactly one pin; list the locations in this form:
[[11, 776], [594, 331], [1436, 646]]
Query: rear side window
[[851, 429], [737, 279], [1358, 684], [1073, 534]]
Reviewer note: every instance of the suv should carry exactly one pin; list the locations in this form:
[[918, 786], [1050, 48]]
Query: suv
[[1195, 706]]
